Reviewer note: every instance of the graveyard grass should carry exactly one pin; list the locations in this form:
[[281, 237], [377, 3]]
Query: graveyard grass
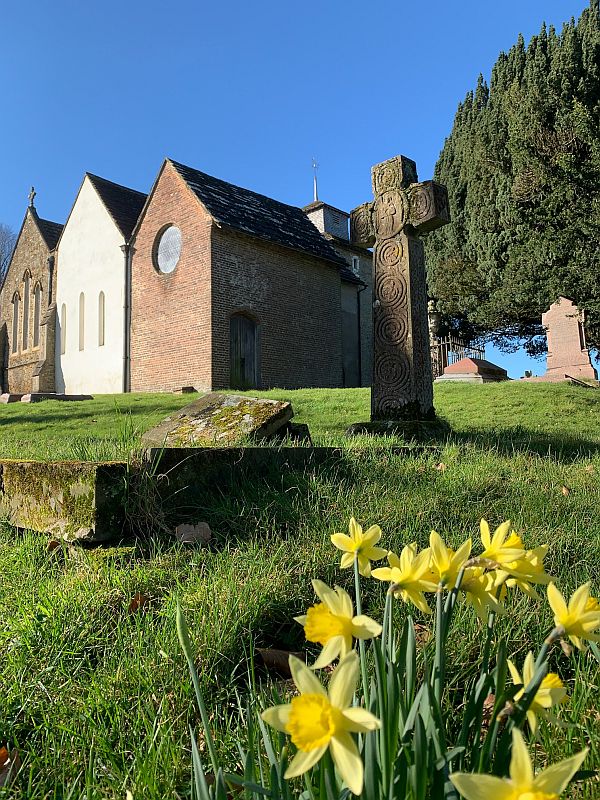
[[96, 695]]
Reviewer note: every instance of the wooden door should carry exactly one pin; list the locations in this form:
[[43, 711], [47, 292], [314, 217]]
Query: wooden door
[[243, 354]]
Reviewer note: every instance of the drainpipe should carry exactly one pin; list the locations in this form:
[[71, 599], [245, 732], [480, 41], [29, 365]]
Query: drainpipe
[[358, 294], [128, 251], [50, 278]]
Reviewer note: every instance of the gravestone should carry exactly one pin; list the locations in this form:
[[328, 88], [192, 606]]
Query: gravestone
[[402, 210], [568, 356]]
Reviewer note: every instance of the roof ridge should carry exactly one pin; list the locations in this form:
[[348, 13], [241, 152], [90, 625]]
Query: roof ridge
[[94, 177]]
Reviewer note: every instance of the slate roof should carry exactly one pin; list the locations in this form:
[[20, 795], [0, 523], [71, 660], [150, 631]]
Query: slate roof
[[257, 215], [50, 231], [123, 204]]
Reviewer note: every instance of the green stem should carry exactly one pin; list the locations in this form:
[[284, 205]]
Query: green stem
[[387, 628], [438, 672], [361, 644]]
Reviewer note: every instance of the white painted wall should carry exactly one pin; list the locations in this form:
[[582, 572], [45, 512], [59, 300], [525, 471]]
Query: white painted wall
[[90, 260]]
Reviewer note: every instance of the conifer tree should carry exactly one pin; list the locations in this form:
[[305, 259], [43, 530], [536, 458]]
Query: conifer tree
[[522, 167]]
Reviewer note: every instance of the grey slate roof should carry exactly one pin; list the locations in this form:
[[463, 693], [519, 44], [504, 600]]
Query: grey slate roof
[[123, 204], [50, 231], [257, 215]]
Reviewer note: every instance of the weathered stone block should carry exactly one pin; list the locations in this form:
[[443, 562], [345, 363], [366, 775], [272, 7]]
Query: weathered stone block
[[68, 499], [220, 419]]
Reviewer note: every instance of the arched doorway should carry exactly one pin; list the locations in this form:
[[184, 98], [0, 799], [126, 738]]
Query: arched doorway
[[243, 352]]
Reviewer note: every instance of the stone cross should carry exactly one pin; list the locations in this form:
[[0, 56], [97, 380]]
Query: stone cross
[[402, 209], [31, 197]]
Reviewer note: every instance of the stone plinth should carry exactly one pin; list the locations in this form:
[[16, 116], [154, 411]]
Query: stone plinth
[[68, 499], [220, 419], [473, 370], [568, 356]]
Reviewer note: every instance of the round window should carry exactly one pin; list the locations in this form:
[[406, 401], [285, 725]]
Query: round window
[[168, 249]]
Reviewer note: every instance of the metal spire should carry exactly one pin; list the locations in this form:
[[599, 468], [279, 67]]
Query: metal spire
[[315, 167]]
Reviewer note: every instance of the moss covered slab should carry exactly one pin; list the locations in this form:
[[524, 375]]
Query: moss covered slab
[[69, 499], [220, 420]]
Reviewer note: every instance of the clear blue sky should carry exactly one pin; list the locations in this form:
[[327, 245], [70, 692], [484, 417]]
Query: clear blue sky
[[245, 91]]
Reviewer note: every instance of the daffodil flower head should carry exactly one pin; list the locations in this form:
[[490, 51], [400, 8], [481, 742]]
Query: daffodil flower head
[[524, 571], [409, 576], [318, 720], [580, 618], [332, 624], [479, 590], [360, 546], [504, 547], [445, 563], [551, 691], [522, 783]]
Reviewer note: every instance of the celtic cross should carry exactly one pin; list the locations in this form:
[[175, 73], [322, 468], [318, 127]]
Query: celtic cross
[[402, 209]]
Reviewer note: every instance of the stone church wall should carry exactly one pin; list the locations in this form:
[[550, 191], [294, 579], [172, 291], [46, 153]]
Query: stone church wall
[[295, 300], [170, 319], [31, 255]]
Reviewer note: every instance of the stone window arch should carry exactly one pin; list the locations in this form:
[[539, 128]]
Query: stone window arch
[[81, 321], [101, 318], [26, 290], [37, 314], [16, 302]]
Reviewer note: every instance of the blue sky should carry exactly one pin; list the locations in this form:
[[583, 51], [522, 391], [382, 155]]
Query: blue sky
[[245, 91]]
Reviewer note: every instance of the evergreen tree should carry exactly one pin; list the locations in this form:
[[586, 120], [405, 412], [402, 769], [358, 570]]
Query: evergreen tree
[[522, 167]]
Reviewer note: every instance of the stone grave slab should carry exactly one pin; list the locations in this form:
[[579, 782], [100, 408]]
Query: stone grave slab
[[220, 420], [71, 500], [473, 370]]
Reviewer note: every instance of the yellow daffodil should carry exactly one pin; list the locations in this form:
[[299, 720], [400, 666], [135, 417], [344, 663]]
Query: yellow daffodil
[[522, 783], [317, 720], [360, 546], [332, 624], [504, 547], [551, 691], [445, 563], [524, 571], [409, 576], [479, 589], [580, 618]]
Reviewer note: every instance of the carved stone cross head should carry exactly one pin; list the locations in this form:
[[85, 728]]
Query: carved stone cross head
[[400, 203]]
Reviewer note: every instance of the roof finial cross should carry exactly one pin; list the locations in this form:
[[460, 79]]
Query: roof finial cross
[[31, 196], [315, 167]]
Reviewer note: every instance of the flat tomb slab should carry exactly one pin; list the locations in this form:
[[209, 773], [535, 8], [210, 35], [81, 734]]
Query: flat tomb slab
[[72, 500], [220, 419], [37, 397]]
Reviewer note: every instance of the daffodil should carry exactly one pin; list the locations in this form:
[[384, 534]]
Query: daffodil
[[318, 720], [526, 570], [551, 691], [409, 576], [359, 546], [479, 589], [504, 547], [445, 563], [332, 624], [579, 619], [522, 784]]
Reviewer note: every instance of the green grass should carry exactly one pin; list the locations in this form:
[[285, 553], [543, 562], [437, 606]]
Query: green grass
[[98, 699]]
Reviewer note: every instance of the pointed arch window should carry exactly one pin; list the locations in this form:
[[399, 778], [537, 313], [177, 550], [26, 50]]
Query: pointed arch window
[[63, 329], [81, 321], [37, 314], [16, 301], [101, 318], [26, 282]]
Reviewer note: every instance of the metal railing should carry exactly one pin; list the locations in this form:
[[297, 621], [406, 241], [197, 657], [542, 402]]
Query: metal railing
[[450, 350]]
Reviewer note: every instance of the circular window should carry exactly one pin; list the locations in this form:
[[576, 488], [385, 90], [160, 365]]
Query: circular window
[[168, 249]]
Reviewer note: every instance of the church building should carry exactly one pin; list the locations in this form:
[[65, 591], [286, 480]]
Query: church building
[[200, 284]]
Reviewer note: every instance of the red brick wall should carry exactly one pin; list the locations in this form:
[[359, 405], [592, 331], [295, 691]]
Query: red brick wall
[[294, 298], [31, 254], [170, 314]]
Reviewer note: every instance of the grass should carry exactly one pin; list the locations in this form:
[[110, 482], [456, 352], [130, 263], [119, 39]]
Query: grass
[[97, 698]]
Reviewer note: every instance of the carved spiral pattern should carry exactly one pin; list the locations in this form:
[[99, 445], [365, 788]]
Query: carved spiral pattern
[[391, 329], [391, 291], [421, 202], [391, 374], [389, 253], [361, 225]]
